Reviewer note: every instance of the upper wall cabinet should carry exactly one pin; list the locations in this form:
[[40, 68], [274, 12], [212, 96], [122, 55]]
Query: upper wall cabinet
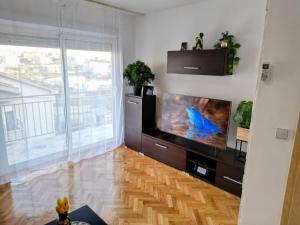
[[204, 62]]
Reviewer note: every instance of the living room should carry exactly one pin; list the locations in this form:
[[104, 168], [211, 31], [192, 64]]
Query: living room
[[149, 112]]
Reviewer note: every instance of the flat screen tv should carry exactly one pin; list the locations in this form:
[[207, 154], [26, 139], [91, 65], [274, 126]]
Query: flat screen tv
[[199, 119]]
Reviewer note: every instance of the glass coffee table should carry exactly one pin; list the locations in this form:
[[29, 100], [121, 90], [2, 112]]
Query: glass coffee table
[[83, 216]]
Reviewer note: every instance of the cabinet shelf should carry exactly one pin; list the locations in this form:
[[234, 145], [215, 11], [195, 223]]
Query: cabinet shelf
[[201, 164], [212, 62]]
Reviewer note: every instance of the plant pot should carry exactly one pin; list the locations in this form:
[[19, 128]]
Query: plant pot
[[242, 134], [137, 90], [148, 90]]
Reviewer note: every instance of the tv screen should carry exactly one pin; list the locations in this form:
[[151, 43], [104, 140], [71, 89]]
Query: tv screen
[[200, 119]]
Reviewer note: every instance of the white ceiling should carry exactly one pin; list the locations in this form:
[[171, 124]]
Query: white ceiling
[[146, 6]]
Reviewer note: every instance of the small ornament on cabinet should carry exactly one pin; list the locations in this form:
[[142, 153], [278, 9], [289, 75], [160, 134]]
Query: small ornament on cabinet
[[184, 46], [199, 42]]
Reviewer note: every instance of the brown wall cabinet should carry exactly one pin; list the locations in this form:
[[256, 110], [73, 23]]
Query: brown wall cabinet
[[205, 62]]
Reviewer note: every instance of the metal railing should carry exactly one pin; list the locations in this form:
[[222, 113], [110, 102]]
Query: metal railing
[[33, 116]]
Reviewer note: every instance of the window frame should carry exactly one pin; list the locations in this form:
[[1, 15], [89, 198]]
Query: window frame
[[93, 39], [45, 32]]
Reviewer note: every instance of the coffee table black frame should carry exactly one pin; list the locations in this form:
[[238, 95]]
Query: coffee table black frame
[[84, 214]]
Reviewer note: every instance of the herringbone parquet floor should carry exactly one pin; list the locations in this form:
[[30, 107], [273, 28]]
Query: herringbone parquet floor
[[124, 188]]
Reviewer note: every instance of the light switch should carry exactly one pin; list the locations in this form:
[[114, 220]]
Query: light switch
[[282, 134]]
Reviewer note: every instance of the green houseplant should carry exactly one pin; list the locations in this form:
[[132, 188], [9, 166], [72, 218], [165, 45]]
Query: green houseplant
[[227, 41], [242, 117], [138, 74]]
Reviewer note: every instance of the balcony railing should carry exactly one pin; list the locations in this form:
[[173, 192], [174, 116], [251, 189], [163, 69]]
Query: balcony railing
[[34, 116]]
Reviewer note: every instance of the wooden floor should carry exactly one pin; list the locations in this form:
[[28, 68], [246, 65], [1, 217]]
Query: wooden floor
[[124, 188]]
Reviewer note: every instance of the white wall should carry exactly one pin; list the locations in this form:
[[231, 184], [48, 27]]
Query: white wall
[[128, 25], [163, 31], [277, 105]]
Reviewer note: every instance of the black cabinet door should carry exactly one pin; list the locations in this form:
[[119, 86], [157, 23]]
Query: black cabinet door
[[133, 122], [230, 178]]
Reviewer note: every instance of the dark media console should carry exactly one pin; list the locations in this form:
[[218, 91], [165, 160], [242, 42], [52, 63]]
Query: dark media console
[[215, 166]]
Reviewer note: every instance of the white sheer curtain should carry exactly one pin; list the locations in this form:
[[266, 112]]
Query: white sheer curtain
[[60, 84]]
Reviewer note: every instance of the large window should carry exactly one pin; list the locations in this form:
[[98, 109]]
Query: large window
[[50, 103]]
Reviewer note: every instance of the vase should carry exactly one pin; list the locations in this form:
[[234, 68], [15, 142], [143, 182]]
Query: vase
[[137, 90]]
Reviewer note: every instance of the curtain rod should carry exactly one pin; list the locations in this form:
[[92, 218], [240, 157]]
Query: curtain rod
[[115, 7]]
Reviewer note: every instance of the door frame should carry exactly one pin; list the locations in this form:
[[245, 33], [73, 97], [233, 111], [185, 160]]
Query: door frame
[[61, 35], [293, 181]]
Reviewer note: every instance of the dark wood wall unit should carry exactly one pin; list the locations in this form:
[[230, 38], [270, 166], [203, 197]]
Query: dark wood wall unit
[[139, 117], [225, 171], [204, 62], [226, 156]]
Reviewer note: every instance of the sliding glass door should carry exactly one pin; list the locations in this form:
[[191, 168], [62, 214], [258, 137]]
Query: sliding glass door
[[31, 102], [56, 100], [89, 70]]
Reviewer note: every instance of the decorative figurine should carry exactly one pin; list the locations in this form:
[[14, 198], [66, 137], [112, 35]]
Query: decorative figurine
[[199, 42], [184, 46], [62, 209]]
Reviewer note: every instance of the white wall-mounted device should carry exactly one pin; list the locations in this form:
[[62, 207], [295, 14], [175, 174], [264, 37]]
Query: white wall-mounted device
[[266, 71], [282, 134]]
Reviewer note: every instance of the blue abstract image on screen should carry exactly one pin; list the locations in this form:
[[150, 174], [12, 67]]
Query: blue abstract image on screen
[[196, 118], [199, 125]]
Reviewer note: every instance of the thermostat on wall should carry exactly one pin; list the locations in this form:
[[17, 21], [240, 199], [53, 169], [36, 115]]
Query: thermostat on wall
[[266, 71]]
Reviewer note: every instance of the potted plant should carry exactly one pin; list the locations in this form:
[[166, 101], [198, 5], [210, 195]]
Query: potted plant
[[138, 74], [227, 41], [242, 117]]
